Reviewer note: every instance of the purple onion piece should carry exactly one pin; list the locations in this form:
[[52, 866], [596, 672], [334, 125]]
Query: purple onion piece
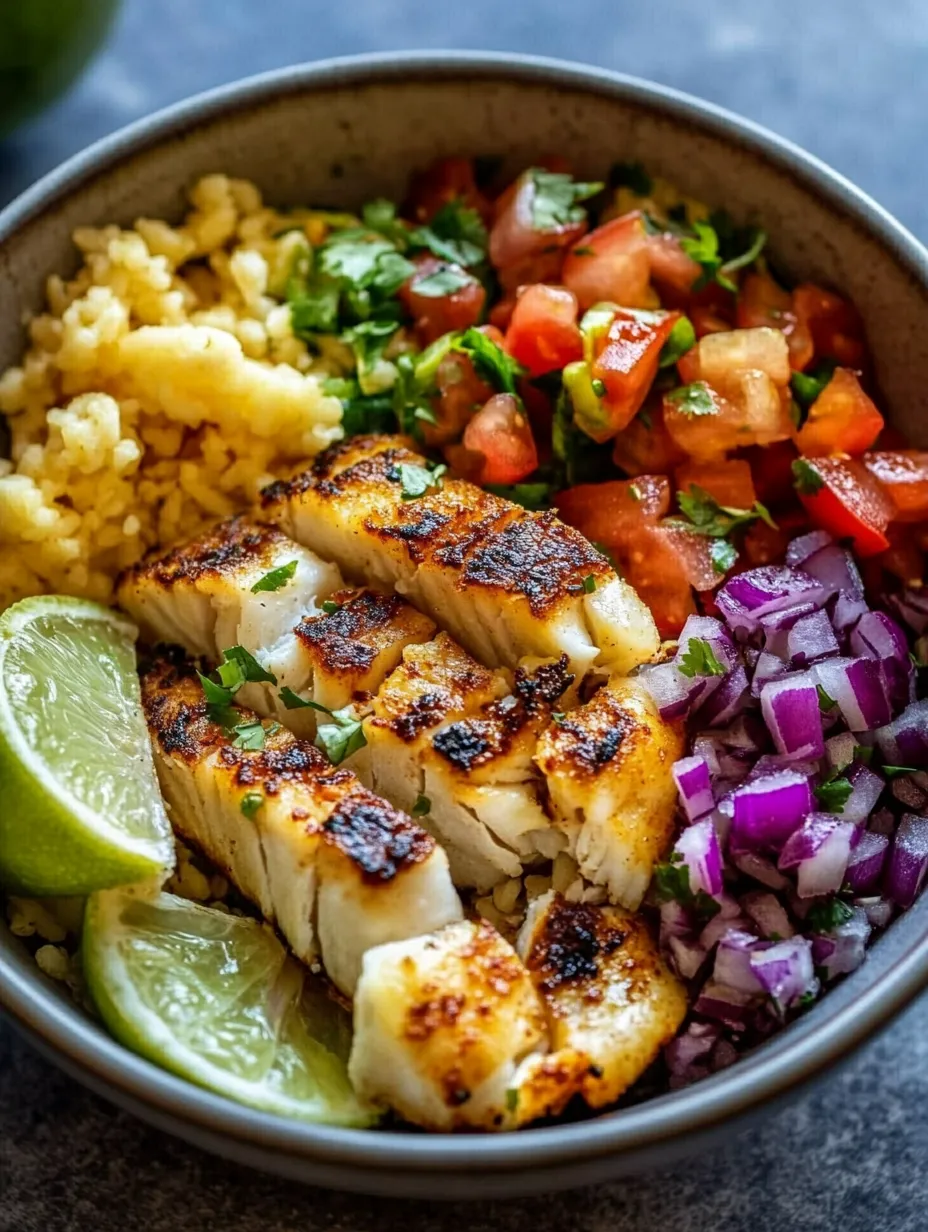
[[691, 775], [846, 611], [707, 629], [857, 687], [908, 860], [723, 1004], [766, 812], [805, 546], [692, 1046], [867, 787], [819, 851], [865, 866], [785, 970], [770, 588], [718, 926], [687, 956], [878, 636], [698, 846], [776, 627], [836, 570], [791, 711], [768, 914], [733, 962], [769, 667], [912, 606], [904, 742], [879, 911], [725, 702], [811, 638], [674, 693], [843, 949]]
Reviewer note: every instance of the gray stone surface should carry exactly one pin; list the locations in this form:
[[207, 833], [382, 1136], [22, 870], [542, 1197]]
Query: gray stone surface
[[846, 79]]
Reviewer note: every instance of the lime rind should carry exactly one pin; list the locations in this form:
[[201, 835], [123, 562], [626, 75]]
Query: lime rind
[[51, 841], [215, 999]]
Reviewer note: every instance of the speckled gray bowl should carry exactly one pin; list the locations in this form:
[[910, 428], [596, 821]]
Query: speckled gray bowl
[[340, 132]]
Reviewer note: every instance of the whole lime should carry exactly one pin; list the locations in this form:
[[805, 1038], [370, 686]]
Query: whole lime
[[44, 45]]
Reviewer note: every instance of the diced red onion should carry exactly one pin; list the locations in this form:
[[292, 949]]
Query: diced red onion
[[691, 775], [675, 921], [719, 925], [865, 865], [777, 625], [766, 812], [867, 789], [699, 847], [769, 588], [840, 750], [723, 1004], [768, 914], [723, 1055], [707, 629], [904, 742], [908, 860], [879, 911], [724, 703], [844, 948], [784, 970], [912, 606], [684, 1053], [673, 692], [761, 869], [793, 716], [807, 545], [733, 962], [819, 850], [706, 747], [857, 686], [836, 570], [687, 955], [846, 611], [811, 638], [878, 636], [769, 667]]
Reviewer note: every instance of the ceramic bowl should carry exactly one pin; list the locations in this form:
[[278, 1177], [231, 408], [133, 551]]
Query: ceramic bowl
[[338, 133]]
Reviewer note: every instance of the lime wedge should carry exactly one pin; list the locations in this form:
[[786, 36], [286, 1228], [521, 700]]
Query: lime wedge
[[80, 808], [215, 998]]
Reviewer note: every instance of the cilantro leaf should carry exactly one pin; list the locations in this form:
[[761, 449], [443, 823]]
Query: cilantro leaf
[[275, 579], [827, 915], [807, 386], [447, 280], [314, 310], [380, 215], [693, 400], [825, 703], [293, 701], [250, 668], [722, 554], [330, 607], [249, 735], [682, 339], [366, 268], [416, 480], [250, 803], [703, 515], [705, 247], [588, 584], [555, 200], [532, 496], [512, 1099], [632, 176], [579, 459], [342, 737], [834, 793], [700, 659], [364, 413], [491, 362], [456, 233], [806, 479], [421, 806], [218, 701], [368, 341], [671, 883], [895, 772], [864, 753]]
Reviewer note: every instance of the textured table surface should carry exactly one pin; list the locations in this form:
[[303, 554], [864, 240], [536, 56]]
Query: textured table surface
[[844, 78]]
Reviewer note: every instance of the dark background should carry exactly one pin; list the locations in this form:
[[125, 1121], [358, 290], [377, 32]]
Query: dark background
[[847, 79]]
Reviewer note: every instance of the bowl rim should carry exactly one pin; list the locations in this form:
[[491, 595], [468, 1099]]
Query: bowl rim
[[771, 1071]]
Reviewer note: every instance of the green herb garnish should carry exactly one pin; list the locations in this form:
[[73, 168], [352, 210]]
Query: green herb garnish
[[250, 803], [275, 579], [807, 386], [700, 659], [705, 248], [671, 882], [249, 666], [417, 480], [806, 479], [556, 197], [825, 702], [293, 701], [444, 281], [421, 806], [722, 554], [693, 400], [834, 793], [342, 737], [895, 772], [330, 607], [824, 917], [705, 516], [682, 338], [248, 735], [368, 340], [456, 233], [491, 362]]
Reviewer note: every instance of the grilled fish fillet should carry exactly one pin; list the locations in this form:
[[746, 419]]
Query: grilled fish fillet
[[457, 1031], [611, 1003], [504, 583], [446, 730], [335, 867], [607, 766], [201, 596]]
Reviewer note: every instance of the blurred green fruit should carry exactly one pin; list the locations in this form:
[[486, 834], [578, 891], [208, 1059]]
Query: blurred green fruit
[[44, 45]]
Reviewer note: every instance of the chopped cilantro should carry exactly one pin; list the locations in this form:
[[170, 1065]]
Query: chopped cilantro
[[589, 584], [806, 479], [807, 386], [314, 310], [863, 753], [693, 400], [373, 413], [558, 716], [249, 666], [368, 340], [248, 735], [583, 250], [578, 458], [834, 793], [682, 338], [456, 233], [416, 480], [329, 606], [634, 491], [722, 554], [491, 362], [895, 772], [700, 659], [705, 248], [366, 269], [218, 700], [421, 806], [251, 802], [444, 281], [512, 1099], [703, 515], [807, 998], [555, 199], [380, 215], [632, 176], [532, 496], [293, 701], [671, 882], [342, 737], [275, 579], [598, 387], [825, 703], [827, 915], [410, 405]]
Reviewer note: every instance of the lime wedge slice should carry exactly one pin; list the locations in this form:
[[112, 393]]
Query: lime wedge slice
[[215, 998], [80, 808]]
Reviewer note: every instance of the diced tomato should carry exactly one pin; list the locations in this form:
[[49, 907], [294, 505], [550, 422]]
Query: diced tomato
[[435, 315], [646, 445], [903, 558], [501, 314], [849, 504], [723, 358], [762, 301], [448, 179], [706, 320], [461, 393], [655, 563], [727, 480], [615, 511], [836, 328], [711, 309], [625, 358], [904, 476], [500, 431], [521, 252], [671, 269], [543, 334], [772, 471], [762, 545], [613, 264], [540, 411], [842, 419]]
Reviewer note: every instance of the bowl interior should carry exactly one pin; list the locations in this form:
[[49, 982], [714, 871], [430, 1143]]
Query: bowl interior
[[341, 133]]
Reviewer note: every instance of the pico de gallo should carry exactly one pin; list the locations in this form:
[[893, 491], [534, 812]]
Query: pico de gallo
[[624, 354]]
